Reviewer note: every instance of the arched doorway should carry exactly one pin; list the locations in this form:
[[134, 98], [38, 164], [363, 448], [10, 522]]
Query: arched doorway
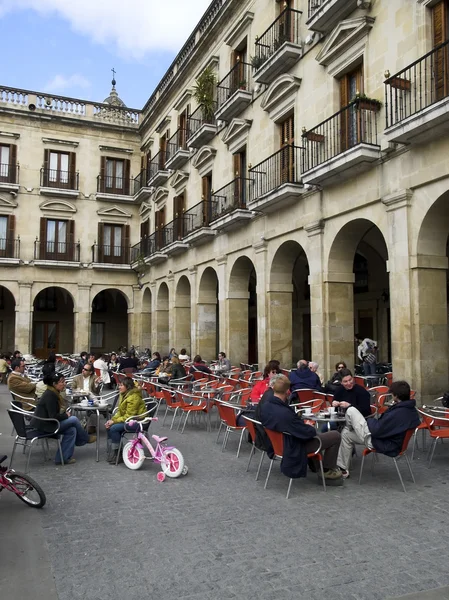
[[289, 305], [53, 322], [161, 343], [430, 299], [145, 341], [109, 321], [182, 316], [208, 316], [7, 320], [242, 313], [358, 292]]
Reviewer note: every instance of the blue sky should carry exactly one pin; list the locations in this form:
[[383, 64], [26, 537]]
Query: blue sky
[[69, 49]]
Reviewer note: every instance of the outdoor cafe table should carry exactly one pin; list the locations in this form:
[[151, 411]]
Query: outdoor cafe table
[[95, 408], [324, 418], [208, 394]]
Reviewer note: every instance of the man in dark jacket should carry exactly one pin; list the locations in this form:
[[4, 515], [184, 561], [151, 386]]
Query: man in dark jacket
[[304, 378], [303, 439], [386, 434], [352, 394]]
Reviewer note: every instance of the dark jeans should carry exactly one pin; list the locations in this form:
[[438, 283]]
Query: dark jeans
[[73, 434], [115, 432], [330, 443], [369, 368]]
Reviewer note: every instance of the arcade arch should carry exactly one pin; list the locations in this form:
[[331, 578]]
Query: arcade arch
[[53, 322], [208, 315], [109, 321], [242, 312]]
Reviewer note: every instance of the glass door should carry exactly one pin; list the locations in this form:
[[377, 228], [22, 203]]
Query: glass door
[[45, 338]]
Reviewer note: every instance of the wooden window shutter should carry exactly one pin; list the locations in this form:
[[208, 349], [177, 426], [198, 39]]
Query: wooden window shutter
[[144, 229], [10, 236], [439, 18], [12, 163], [70, 240], [72, 170], [126, 175], [237, 166], [43, 238], [46, 167], [100, 245], [441, 60], [126, 243], [102, 182], [344, 92]]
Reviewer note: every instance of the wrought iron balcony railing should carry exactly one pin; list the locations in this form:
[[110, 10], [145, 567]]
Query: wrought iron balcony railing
[[9, 173], [284, 166], [139, 181], [108, 254], [421, 84], [9, 248], [172, 232], [230, 197], [62, 180], [198, 118], [314, 6], [177, 142], [49, 250], [157, 164], [109, 184], [284, 29], [238, 78], [352, 125], [197, 217]]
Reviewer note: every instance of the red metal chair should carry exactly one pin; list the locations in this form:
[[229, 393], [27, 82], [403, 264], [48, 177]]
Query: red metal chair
[[438, 429], [277, 441], [251, 425], [360, 381], [171, 404], [228, 417], [304, 395], [188, 406], [403, 452]]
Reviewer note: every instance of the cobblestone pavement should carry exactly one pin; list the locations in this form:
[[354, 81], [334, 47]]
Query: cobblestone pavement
[[217, 534]]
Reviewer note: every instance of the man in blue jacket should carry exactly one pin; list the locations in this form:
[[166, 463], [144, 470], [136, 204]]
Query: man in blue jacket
[[304, 378], [303, 439], [386, 434]]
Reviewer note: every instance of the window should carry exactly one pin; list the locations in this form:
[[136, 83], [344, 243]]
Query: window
[[46, 300], [3, 232], [182, 128], [59, 170], [113, 244], [287, 129], [206, 189], [8, 160], [56, 240], [97, 335], [239, 164], [440, 23], [178, 217], [351, 118], [7, 244], [114, 176], [238, 72]]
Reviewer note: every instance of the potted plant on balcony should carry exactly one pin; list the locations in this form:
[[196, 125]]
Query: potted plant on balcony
[[204, 92], [257, 61], [242, 84], [362, 102]]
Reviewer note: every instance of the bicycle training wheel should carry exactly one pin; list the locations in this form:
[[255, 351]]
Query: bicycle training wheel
[[172, 463], [27, 490], [133, 457]]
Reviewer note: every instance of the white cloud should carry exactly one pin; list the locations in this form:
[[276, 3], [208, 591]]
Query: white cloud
[[59, 83], [133, 27]]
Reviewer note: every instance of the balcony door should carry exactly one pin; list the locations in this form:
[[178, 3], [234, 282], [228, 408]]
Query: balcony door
[[7, 227], [350, 128], [182, 128], [160, 224], [206, 192], [8, 159], [238, 73], [59, 170], [45, 338], [440, 22], [287, 128], [56, 239], [179, 206], [113, 245], [163, 150], [285, 24], [240, 167]]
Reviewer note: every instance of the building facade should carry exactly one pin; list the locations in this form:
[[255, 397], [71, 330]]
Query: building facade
[[289, 190]]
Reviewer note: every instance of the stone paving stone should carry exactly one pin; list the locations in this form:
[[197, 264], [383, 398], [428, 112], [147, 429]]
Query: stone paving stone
[[217, 534]]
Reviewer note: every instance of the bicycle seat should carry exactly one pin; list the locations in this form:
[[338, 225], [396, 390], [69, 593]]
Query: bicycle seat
[[3, 458], [158, 439]]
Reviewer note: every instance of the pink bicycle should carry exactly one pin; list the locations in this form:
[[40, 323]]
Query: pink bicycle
[[170, 458], [25, 488]]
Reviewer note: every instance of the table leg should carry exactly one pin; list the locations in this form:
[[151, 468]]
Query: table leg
[[98, 435]]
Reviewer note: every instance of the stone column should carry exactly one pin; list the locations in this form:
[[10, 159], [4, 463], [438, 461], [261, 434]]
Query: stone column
[[82, 318], [24, 319], [161, 339], [237, 326], [153, 317], [279, 300], [315, 232], [338, 291], [181, 322], [135, 318], [260, 249], [192, 349], [171, 303], [223, 318]]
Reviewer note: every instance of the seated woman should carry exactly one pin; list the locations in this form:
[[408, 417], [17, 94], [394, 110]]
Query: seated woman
[[198, 365], [153, 364], [272, 368], [51, 405], [177, 369], [131, 404], [101, 364], [183, 356]]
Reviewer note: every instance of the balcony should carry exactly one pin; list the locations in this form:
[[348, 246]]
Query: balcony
[[9, 252], [9, 177], [55, 182], [279, 47], [276, 181], [202, 128], [417, 99], [228, 205], [177, 152], [140, 188], [114, 189], [149, 250], [59, 255], [196, 224], [234, 92], [113, 258], [342, 146], [324, 15], [172, 237], [157, 170]]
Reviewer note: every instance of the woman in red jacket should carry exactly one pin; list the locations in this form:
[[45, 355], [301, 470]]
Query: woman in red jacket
[[272, 368]]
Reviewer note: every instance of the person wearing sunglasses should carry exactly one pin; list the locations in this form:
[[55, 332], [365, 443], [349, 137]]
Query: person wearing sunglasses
[[87, 381]]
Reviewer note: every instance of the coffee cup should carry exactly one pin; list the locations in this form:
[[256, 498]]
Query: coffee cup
[[308, 410], [332, 410]]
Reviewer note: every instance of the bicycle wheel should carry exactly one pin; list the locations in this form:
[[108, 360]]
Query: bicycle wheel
[[172, 463], [27, 490], [133, 457]]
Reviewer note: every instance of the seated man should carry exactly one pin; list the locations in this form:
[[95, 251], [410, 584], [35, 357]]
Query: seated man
[[20, 384], [350, 393], [87, 380], [224, 364], [198, 365], [304, 378], [277, 415], [385, 434]]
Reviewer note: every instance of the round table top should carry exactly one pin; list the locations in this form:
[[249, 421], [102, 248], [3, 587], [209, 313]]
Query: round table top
[[324, 417]]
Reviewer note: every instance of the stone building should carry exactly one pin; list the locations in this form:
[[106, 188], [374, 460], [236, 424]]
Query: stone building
[[301, 199]]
